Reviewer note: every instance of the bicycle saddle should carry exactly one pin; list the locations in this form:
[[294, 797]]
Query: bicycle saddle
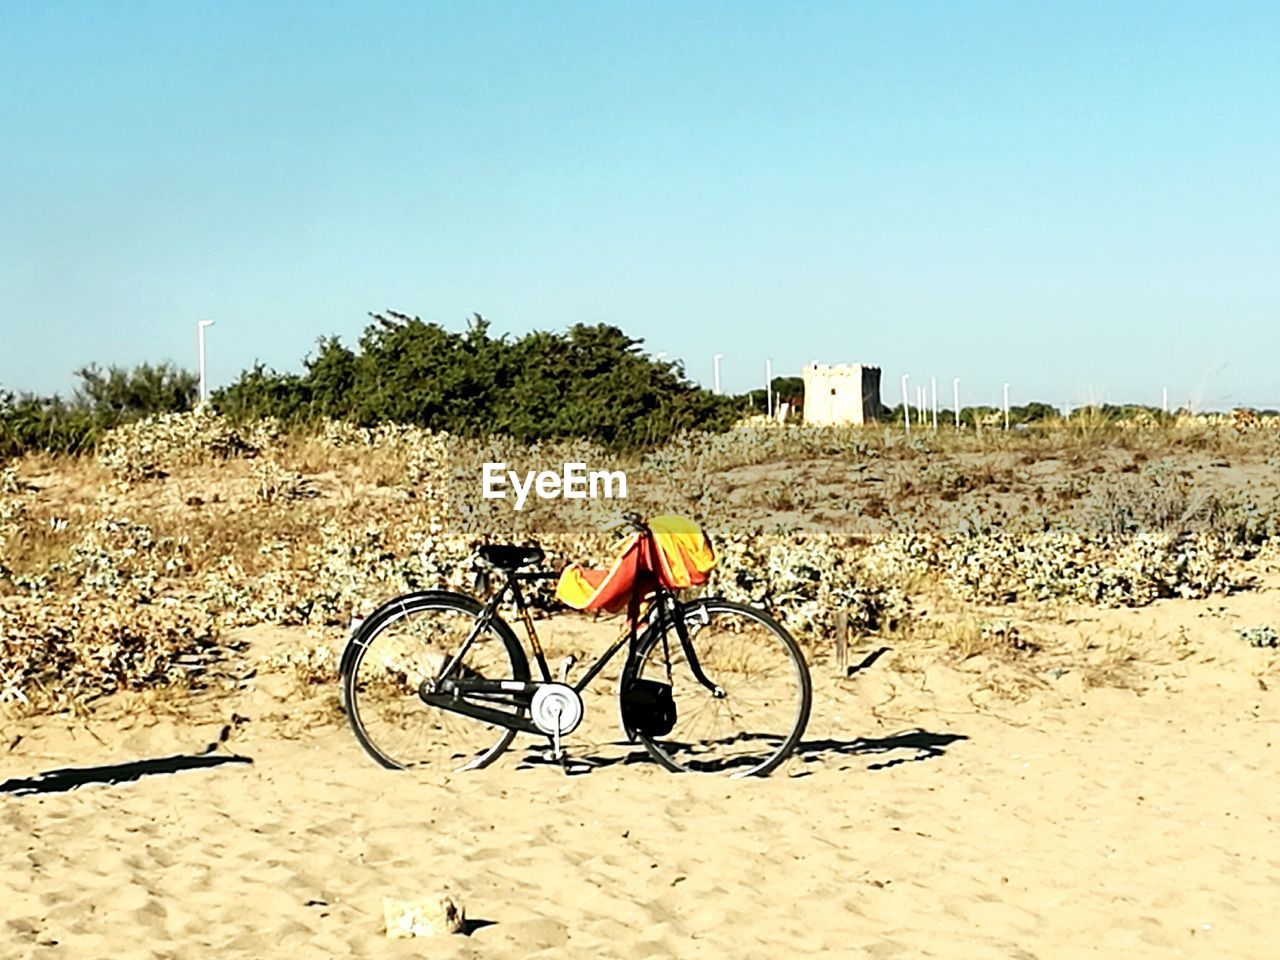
[[507, 556]]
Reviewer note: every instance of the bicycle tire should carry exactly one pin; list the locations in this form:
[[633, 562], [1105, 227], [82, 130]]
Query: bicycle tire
[[382, 670], [715, 735]]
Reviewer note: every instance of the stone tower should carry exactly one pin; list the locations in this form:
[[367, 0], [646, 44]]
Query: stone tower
[[841, 394]]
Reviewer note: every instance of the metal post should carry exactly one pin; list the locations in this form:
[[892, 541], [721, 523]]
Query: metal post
[[1006, 406], [204, 385], [955, 398], [906, 405], [933, 385]]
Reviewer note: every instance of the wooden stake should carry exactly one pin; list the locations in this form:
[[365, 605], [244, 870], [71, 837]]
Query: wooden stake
[[842, 642]]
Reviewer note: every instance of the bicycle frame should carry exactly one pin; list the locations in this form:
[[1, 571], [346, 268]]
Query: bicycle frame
[[662, 607], [512, 586]]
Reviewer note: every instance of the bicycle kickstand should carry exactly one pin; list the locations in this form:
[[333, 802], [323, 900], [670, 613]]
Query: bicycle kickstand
[[559, 754], [557, 749], [571, 766]]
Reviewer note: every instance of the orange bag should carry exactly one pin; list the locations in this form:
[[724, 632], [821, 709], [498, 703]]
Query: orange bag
[[677, 555]]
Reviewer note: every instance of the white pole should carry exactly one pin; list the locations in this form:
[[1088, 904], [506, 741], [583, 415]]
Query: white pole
[[1164, 402], [919, 404], [716, 363], [768, 387], [933, 385], [1006, 406], [204, 384], [955, 398], [906, 406]]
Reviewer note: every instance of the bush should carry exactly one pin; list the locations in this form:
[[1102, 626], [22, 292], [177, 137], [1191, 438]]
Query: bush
[[592, 382], [116, 394], [103, 400], [29, 422], [1261, 636], [64, 654], [149, 448]]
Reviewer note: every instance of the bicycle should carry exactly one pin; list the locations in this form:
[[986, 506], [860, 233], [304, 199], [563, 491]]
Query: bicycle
[[708, 685]]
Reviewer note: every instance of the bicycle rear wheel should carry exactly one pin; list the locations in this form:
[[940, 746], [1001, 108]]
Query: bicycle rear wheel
[[407, 642], [755, 718]]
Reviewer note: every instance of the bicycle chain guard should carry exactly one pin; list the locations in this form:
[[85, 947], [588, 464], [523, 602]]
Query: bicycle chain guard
[[556, 709]]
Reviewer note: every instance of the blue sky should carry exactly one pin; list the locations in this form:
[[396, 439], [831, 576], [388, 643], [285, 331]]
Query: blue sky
[[1082, 200]]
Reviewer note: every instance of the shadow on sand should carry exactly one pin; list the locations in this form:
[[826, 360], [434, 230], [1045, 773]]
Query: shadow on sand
[[69, 778], [917, 745], [576, 764], [923, 744]]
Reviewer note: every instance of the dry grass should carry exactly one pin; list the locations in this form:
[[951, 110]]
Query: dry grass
[[311, 524]]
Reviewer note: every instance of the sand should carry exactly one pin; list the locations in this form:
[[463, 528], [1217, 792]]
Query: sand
[[927, 814]]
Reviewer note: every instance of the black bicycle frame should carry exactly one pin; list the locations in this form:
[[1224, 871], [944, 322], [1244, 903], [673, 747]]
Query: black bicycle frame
[[447, 694], [490, 611]]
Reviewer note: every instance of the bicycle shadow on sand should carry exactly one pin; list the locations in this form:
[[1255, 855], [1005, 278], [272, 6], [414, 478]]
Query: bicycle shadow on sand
[[909, 746], [70, 778]]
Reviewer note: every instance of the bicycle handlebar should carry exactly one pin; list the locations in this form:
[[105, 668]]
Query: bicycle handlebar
[[635, 521], [629, 519]]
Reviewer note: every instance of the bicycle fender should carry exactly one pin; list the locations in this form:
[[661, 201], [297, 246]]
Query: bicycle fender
[[389, 610]]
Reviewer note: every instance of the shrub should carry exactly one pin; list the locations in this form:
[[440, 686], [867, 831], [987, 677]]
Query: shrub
[[150, 447], [1262, 636], [104, 399], [591, 382], [64, 654]]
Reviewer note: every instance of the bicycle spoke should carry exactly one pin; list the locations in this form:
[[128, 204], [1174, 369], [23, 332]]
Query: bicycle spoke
[[765, 703], [387, 712]]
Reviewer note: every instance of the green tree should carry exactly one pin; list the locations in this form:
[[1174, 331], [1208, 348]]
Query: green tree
[[261, 392], [102, 399], [116, 393], [784, 388], [592, 381]]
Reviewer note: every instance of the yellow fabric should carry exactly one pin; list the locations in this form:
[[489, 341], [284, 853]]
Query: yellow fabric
[[684, 558], [685, 552], [573, 589]]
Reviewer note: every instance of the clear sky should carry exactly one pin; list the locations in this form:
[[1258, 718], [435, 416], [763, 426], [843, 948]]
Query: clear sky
[[1083, 200]]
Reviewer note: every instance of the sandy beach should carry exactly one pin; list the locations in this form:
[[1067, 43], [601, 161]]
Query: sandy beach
[[885, 388], [929, 812]]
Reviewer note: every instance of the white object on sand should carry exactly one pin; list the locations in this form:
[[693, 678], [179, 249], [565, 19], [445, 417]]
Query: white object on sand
[[428, 917]]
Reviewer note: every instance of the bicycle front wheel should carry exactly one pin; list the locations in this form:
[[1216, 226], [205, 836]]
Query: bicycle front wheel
[[408, 643], [755, 710]]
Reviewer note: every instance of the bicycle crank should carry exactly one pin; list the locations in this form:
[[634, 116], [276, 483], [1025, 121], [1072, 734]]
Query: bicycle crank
[[556, 710]]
